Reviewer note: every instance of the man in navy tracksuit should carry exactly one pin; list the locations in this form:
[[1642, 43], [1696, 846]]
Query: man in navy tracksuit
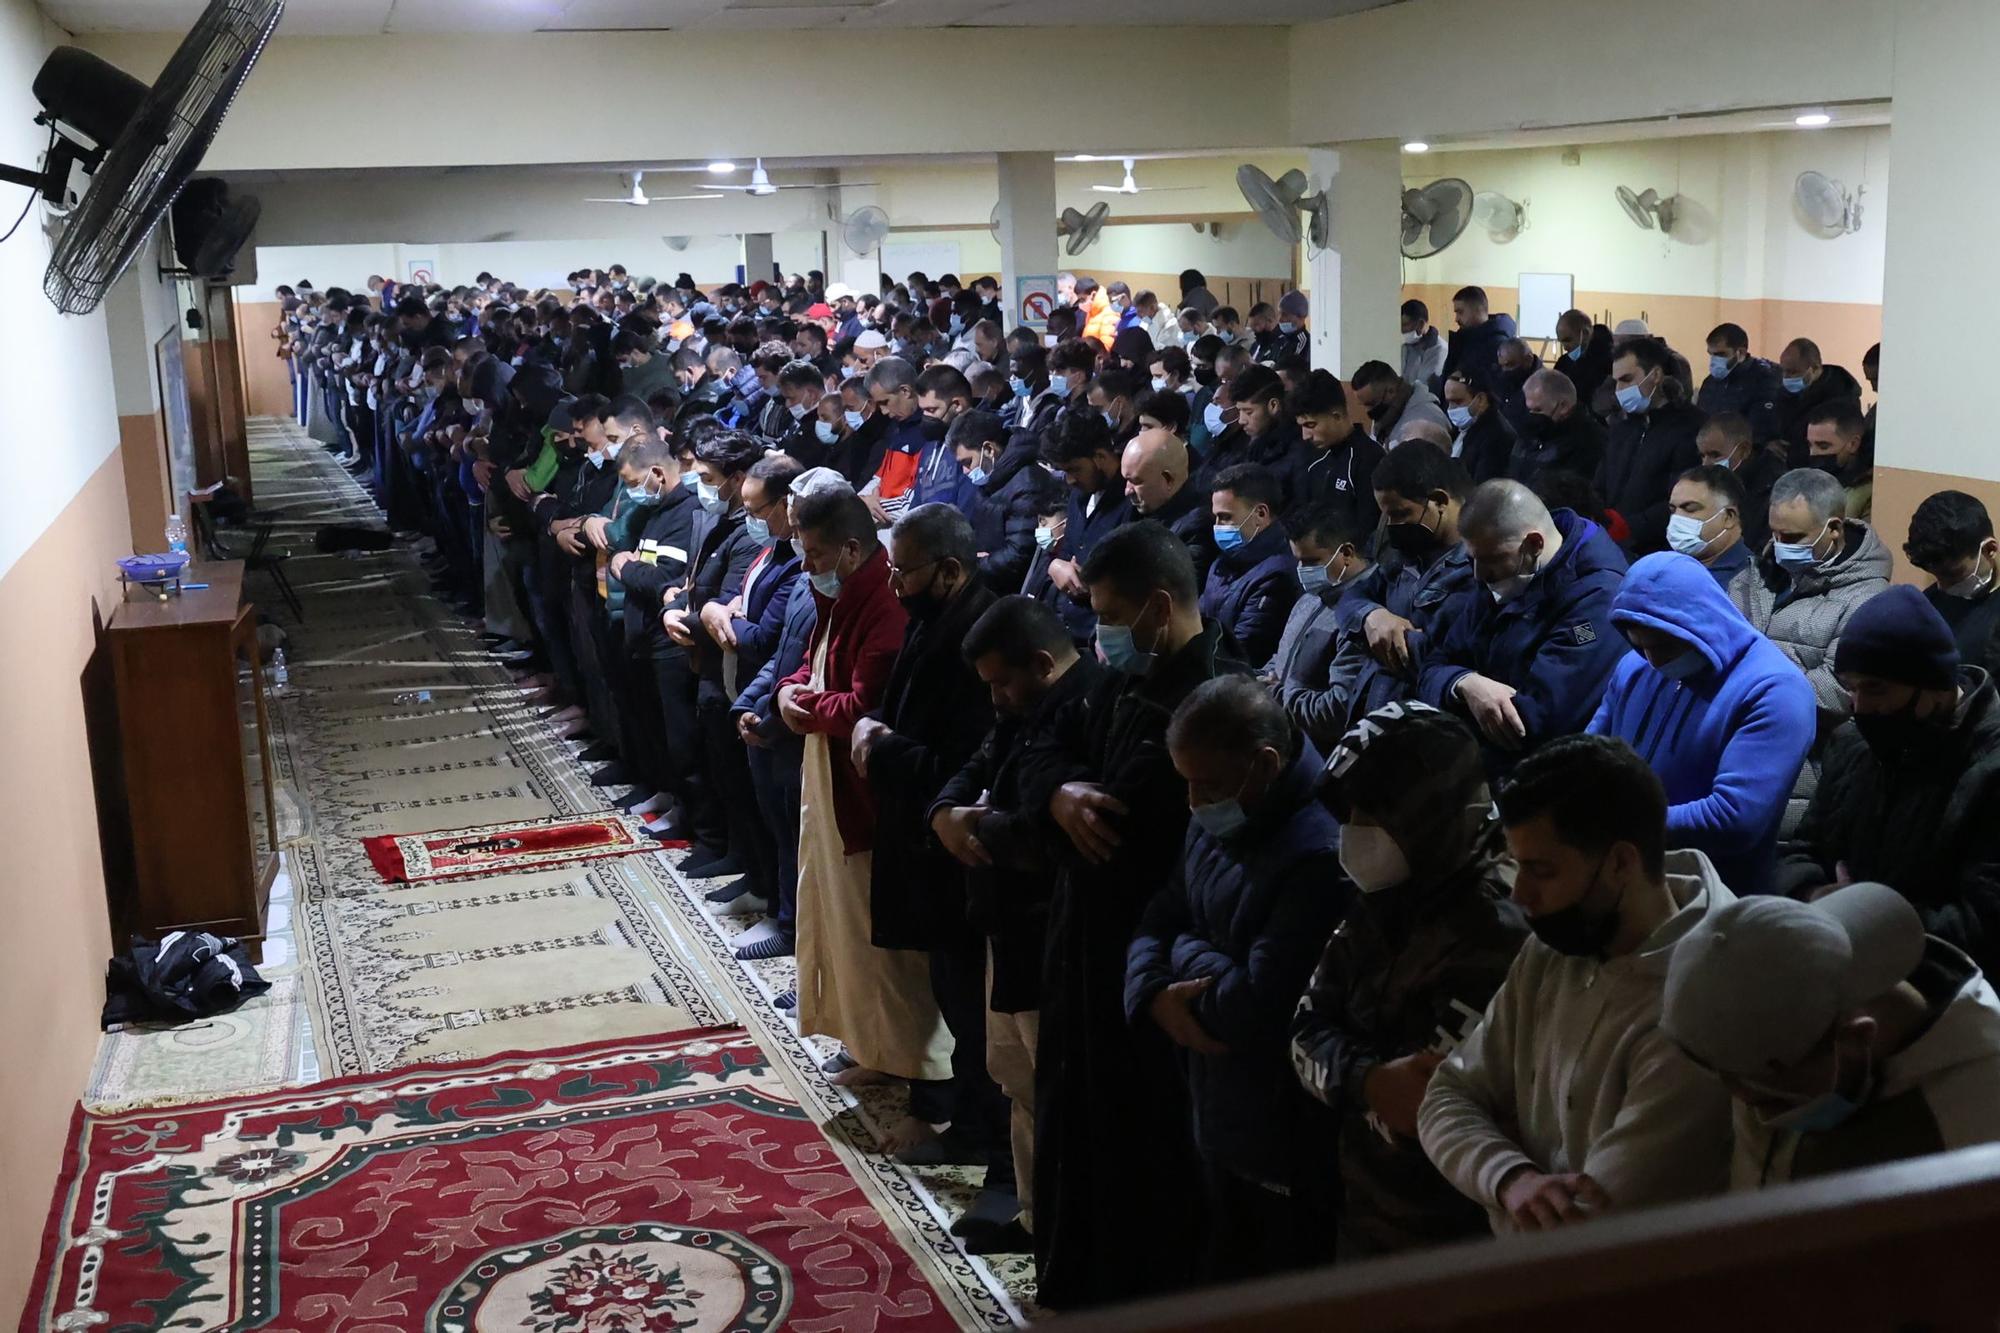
[[1528, 657]]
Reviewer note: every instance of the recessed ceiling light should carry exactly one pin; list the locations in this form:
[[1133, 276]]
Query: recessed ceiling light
[[1416, 146], [721, 168], [1811, 120]]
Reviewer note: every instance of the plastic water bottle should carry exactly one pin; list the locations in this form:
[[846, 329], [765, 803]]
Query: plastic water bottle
[[280, 677], [177, 534]]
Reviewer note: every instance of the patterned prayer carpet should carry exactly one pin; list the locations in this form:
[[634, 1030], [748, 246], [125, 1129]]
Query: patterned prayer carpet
[[620, 1187], [394, 974]]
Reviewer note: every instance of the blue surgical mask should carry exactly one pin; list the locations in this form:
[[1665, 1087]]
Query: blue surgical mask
[[1719, 366], [1684, 534], [1228, 536], [1575, 353], [1312, 578], [1287, 328], [1121, 652], [1045, 539], [1795, 384], [1794, 555], [1018, 385], [710, 496], [827, 584], [638, 495], [1110, 418], [1222, 819], [759, 530], [854, 419], [828, 432], [1460, 416], [978, 476], [596, 458], [1160, 384], [1059, 386], [1633, 399], [1211, 417]]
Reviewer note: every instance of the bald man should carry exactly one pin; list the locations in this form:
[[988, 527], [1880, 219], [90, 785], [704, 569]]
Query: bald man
[[1529, 656], [1156, 469]]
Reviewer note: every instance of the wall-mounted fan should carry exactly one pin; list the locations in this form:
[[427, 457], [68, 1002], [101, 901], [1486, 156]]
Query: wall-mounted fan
[[1501, 218], [1649, 210], [1082, 228], [1435, 216], [635, 193], [1826, 204], [1280, 202], [864, 230], [1131, 186], [139, 144]]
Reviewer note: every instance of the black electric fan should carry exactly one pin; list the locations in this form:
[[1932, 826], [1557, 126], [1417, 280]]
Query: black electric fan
[[139, 144]]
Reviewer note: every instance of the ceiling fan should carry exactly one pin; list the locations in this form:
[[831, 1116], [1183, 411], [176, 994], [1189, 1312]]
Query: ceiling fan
[[1131, 186], [760, 183], [638, 198]]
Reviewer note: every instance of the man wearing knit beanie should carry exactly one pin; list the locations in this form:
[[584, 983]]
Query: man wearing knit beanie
[[1909, 792]]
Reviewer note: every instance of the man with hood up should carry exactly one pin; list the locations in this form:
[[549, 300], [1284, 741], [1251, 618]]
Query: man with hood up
[[1568, 1100], [1423, 948], [1717, 711]]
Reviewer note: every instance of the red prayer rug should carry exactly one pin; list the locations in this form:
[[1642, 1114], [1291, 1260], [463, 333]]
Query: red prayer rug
[[501, 849], [623, 1187]]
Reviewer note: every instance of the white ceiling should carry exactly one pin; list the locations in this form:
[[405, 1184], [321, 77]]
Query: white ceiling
[[358, 17]]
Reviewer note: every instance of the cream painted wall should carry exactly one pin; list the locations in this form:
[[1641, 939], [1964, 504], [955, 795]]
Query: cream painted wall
[[1034, 94], [1742, 239], [46, 454], [1551, 63]]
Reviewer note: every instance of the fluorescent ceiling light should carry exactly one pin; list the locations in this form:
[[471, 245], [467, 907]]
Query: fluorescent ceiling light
[[1812, 120], [721, 168], [1416, 146]]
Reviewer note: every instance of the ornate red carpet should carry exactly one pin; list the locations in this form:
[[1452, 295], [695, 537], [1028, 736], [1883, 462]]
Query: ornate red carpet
[[626, 1187]]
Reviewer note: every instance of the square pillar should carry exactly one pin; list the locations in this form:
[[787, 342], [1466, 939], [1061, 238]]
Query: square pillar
[[1356, 282], [1027, 231], [757, 257]]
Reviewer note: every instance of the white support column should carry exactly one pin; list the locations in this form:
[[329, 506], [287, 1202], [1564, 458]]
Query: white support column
[[1027, 227], [757, 257], [1356, 282]]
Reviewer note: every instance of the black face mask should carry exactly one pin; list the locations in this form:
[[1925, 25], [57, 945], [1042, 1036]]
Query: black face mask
[[1413, 541], [1540, 424], [1206, 377], [1826, 463], [1377, 411], [1574, 931], [1902, 738], [925, 605]]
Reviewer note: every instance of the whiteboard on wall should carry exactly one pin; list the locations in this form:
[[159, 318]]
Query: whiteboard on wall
[[930, 258], [1544, 297]]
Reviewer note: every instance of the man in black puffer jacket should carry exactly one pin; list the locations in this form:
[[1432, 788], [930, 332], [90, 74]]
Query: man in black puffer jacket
[[1741, 383], [1649, 446], [1807, 383], [1008, 487], [1218, 961], [1155, 467], [1427, 942]]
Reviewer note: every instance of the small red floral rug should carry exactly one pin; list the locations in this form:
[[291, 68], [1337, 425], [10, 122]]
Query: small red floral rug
[[500, 849], [624, 1187]]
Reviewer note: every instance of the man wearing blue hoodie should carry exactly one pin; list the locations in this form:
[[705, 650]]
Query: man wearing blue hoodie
[[1714, 708], [1529, 655]]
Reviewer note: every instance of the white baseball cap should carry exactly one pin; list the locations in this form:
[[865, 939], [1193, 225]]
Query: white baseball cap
[[1758, 983], [838, 291]]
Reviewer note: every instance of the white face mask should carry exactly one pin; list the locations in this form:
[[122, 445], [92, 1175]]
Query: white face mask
[[1371, 858]]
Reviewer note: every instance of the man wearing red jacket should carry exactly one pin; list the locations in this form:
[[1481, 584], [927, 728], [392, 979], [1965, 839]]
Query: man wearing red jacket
[[876, 1002]]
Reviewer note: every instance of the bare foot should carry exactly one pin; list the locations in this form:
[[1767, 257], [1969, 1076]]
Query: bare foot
[[905, 1134], [856, 1077]]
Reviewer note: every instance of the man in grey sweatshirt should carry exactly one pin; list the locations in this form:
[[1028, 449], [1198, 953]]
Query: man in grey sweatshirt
[[1568, 1099]]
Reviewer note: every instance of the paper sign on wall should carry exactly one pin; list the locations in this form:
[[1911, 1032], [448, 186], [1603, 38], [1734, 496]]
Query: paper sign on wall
[[423, 271], [1035, 297]]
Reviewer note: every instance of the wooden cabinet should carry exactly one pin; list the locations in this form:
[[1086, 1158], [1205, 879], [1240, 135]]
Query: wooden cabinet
[[194, 762]]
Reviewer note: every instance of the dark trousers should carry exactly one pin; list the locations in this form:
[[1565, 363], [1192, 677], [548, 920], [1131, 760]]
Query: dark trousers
[[641, 743], [551, 574], [776, 776], [687, 782], [1254, 1231], [978, 1111], [728, 772]]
